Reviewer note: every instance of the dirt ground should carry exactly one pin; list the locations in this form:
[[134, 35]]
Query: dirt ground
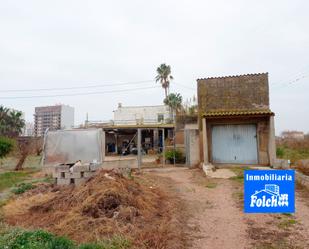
[[215, 219], [177, 208]]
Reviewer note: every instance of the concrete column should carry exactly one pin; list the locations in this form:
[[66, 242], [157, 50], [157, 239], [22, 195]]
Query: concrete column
[[272, 141], [205, 142], [116, 144], [139, 148], [163, 146], [155, 138], [192, 146]]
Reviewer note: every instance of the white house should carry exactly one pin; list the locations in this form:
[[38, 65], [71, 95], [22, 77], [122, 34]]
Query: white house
[[134, 115]]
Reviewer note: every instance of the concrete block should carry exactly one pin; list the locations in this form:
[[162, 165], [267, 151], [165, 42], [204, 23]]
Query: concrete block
[[281, 164], [62, 168], [62, 181], [69, 175], [80, 168], [208, 168], [88, 174], [58, 174]]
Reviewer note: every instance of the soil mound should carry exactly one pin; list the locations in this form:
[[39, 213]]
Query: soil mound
[[107, 204]]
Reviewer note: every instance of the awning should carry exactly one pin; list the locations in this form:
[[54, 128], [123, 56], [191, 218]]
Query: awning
[[221, 113]]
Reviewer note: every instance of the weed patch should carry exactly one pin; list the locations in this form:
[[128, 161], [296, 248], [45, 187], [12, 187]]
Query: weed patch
[[9, 179], [22, 188], [16, 238], [211, 185], [239, 174], [285, 224]]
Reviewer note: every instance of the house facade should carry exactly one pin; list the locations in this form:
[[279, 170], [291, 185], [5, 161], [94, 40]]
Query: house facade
[[298, 135], [235, 120], [121, 133], [157, 114]]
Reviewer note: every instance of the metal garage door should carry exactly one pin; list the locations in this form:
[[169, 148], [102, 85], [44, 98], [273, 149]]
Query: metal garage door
[[234, 144]]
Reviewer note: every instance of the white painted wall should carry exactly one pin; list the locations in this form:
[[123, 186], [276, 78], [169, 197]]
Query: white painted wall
[[140, 114], [67, 117]]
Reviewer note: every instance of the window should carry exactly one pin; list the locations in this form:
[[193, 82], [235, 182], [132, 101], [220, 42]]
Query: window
[[160, 118]]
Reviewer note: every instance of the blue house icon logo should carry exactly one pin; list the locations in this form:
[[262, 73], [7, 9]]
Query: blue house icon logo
[[269, 191]]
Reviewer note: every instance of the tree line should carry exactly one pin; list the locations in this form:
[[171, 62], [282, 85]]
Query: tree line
[[11, 125]]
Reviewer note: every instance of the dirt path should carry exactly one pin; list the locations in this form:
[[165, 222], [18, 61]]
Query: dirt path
[[213, 211], [216, 219]]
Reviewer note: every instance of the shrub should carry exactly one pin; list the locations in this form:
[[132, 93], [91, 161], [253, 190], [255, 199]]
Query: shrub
[[280, 152], [38, 239], [6, 146], [91, 246], [179, 158], [17, 238], [22, 188]]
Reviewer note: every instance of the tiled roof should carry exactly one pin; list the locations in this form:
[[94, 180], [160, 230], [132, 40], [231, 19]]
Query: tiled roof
[[237, 113], [232, 76]]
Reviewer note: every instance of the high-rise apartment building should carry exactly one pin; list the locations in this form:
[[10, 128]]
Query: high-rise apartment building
[[53, 117]]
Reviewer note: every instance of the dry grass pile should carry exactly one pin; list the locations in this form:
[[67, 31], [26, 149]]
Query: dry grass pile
[[107, 205]]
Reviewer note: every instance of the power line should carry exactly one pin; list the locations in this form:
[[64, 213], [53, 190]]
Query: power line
[[184, 86], [78, 87], [291, 82], [79, 94], [292, 76]]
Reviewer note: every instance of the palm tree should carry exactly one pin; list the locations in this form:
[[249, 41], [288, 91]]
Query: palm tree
[[3, 120], [164, 76], [11, 122], [174, 101], [16, 122]]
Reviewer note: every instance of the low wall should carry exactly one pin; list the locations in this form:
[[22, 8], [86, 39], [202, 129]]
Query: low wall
[[302, 179], [281, 164], [116, 164]]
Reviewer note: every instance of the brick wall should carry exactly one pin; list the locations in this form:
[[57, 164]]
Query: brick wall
[[246, 92]]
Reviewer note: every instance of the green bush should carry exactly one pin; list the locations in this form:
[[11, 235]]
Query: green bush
[[16, 238], [22, 188], [6, 146], [179, 158], [38, 239], [280, 152]]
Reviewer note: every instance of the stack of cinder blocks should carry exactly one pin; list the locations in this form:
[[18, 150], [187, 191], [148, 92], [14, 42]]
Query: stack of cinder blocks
[[76, 175]]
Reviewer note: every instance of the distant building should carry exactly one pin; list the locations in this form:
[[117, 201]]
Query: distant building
[[53, 117], [299, 135], [134, 115], [28, 130]]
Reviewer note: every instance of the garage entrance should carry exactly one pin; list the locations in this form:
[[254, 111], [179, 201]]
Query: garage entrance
[[234, 144]]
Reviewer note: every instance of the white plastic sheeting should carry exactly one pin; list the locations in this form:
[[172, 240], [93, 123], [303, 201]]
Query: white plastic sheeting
[[69, 146]]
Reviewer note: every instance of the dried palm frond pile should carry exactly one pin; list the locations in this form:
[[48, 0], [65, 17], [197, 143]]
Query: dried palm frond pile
[[107, 204]]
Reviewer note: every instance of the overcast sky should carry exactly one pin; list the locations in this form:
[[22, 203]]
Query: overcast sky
[[56, 44]]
